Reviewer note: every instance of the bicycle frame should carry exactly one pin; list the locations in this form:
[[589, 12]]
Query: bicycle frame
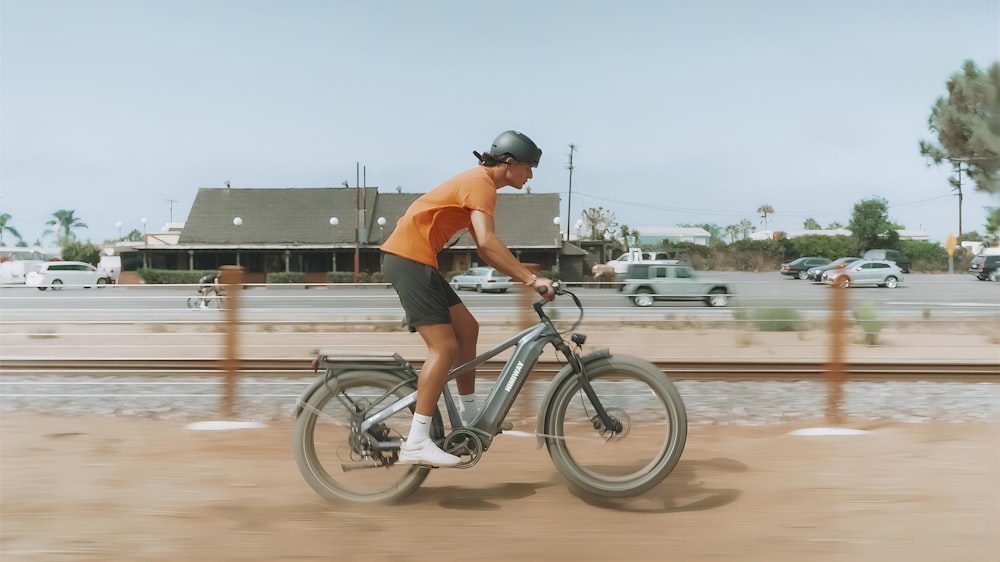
[[528, 346]]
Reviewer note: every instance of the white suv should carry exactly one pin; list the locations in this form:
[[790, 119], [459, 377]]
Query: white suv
[[56, 274]]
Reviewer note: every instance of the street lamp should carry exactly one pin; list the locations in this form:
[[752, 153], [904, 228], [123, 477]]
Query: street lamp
[[237, 222], [556, 221], [145, 257], [381, 225], [334, 221]]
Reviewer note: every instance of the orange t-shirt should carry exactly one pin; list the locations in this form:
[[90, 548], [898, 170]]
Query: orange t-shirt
[[437, 215]]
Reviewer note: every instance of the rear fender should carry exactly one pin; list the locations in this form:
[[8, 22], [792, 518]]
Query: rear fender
[[557, 381], [336, 367]]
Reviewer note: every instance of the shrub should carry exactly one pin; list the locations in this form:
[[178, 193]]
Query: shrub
[[340, 276], [286, 277], [75, 250], [866, 317], [928, 256], [830, 247], [777, 320], [173, 276]]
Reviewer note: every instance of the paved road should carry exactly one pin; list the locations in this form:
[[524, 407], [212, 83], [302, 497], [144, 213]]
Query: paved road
[[922, 295]]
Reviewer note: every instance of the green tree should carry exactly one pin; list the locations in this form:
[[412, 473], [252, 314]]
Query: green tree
[[967, 125], [834, 225], [733, 231], [811, 224], [66, 221], [630, 238], [831, 247], [6, 227], [600, 221], [870, 225], [74, 250], [746, 227], [765, 210], [992, 226]]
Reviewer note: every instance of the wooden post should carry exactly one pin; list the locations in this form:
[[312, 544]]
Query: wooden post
[[231, 279], [835, 374]]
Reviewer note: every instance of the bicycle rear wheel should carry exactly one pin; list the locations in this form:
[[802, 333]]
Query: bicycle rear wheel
[[331, 457], [602, 462]]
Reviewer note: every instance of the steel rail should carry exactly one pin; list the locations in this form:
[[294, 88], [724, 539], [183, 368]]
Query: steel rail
[[677, 370]]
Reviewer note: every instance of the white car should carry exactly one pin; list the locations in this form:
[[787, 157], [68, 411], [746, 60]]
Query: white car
[[481, 279], [57, 274]]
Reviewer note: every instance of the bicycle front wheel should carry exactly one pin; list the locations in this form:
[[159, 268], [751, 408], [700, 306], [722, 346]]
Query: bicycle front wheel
[[340, 464], [621, 463]]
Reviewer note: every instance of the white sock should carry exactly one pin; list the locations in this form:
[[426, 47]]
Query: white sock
[[469, 408], [419, 429]]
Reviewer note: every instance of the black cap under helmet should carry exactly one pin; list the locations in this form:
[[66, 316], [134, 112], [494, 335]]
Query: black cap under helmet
[[518, 145]]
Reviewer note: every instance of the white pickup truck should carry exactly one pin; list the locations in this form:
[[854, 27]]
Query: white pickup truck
[[638, 255]]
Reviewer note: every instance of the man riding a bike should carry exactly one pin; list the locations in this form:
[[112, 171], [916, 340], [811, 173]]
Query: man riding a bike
[[209, 285], [433, 309]]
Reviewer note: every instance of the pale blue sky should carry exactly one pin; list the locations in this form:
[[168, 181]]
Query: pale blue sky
[[682, 112]]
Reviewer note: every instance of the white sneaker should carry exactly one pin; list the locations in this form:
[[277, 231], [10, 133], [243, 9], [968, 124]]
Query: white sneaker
[[426, 453]]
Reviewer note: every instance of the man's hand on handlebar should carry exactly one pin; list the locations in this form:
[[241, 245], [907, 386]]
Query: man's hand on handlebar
[[544, 287]]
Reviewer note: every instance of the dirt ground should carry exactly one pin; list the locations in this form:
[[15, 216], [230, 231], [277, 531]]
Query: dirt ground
[[96, 488]]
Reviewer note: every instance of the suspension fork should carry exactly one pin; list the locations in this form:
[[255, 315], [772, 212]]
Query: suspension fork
[[609, 421]]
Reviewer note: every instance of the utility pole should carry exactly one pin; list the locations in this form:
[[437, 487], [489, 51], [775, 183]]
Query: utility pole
[[958, 187], [569, 198]]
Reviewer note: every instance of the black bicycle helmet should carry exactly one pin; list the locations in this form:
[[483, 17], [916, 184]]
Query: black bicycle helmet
[[518, 145]]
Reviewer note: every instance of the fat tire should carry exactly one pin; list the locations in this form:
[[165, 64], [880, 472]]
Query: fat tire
[[638, 372], [322, 478]]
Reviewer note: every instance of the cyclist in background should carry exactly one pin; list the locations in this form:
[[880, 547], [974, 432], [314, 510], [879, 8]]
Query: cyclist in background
[[433, 309], [209, 284]]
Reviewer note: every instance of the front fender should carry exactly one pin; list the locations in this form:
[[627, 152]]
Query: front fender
[[562, 375]]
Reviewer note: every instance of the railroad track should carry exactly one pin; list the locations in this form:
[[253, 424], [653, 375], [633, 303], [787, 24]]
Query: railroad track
[[677, 370]]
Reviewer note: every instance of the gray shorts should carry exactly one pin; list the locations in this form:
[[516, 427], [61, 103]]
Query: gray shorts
[[423, 292]]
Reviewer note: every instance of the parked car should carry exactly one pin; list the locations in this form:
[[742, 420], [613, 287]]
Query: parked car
[[800, 268], [895, 256], [868, 272], [482, 279], [816, 273], [57, 274], [646, 283], [985, 267]]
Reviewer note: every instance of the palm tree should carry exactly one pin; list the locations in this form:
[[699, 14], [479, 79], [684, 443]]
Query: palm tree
[[66, 222], [4, 227], [764, 210], [733, 231]]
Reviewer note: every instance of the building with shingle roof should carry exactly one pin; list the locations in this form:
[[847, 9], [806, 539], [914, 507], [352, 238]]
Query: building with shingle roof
[[291, 229]]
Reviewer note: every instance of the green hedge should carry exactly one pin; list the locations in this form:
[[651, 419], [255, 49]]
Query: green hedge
[[173, 276], [286, 277], [363, 277]]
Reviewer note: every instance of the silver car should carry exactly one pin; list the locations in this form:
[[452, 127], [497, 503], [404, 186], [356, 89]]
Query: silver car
[[482, 279], [867, 272], [647, 283]]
